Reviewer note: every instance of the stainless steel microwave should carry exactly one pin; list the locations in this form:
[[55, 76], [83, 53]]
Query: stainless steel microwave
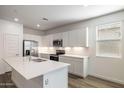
[[58, 43]]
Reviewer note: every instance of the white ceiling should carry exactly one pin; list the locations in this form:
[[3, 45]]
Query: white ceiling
[[31, 15]]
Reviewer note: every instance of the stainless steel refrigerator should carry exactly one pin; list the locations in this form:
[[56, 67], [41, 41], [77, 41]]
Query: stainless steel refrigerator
[[30, 47]]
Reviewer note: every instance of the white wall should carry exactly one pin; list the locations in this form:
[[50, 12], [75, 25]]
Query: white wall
[[33, 31], [33, 37], [31, 34], [107, 68]]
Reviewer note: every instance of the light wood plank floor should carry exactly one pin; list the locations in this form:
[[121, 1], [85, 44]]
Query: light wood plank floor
[[74, 82], [91, 82]]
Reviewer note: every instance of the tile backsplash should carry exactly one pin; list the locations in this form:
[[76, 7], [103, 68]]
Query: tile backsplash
[[68, 50]]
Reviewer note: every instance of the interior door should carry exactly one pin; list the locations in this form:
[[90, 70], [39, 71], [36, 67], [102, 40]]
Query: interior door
[[1, 44], [1, 54], [11, 47]]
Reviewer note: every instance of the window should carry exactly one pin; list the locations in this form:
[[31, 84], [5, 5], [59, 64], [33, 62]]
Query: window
[[108, 40]]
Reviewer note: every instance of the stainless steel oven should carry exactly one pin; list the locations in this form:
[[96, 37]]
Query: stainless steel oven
[[55, 57]]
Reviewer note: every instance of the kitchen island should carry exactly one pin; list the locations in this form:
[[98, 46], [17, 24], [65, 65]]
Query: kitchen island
[[32, 74]]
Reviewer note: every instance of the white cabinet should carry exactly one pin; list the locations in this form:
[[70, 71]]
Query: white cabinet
[[78, 37], [65, 38], [82, 37], [56, 79], [73, 38], [67, 60], [47, 41], [78, 66], [50, 40], [57, 36]]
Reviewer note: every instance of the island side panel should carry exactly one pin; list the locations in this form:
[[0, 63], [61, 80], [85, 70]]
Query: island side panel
[[21, 82], [56, 79]]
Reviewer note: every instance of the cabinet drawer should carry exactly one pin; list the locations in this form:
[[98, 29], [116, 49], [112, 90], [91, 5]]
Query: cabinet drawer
[[71, 58]]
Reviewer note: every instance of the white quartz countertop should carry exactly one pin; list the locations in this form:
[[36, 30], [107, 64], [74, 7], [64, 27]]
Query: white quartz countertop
[[31, 69], [75, 56]]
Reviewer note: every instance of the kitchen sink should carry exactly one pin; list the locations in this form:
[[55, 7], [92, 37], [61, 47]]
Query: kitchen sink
[[38, 60]]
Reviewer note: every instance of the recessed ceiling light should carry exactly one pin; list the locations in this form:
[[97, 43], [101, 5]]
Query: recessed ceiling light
[[16, 19], [38, 25]]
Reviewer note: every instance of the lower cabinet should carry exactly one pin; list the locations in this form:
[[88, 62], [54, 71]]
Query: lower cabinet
[[78, 66]]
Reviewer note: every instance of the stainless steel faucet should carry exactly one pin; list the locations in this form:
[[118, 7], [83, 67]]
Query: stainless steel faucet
[[30, 58]]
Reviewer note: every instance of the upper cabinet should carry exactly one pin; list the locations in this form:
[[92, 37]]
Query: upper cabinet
[[47, 41], [78, 38], [73, 38], [57, 36], [50, 40], [65, 38]]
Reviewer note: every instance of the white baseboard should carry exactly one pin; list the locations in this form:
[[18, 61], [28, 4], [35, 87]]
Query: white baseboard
[[108, 78]]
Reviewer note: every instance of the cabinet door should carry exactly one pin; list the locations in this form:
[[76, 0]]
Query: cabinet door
[[65, 37], [56, 79], [78, 68], [71, 67], [81, 38], [57, 36], [66, 60], [77, 38], [45, 40], [72, 38], [50, 37]]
